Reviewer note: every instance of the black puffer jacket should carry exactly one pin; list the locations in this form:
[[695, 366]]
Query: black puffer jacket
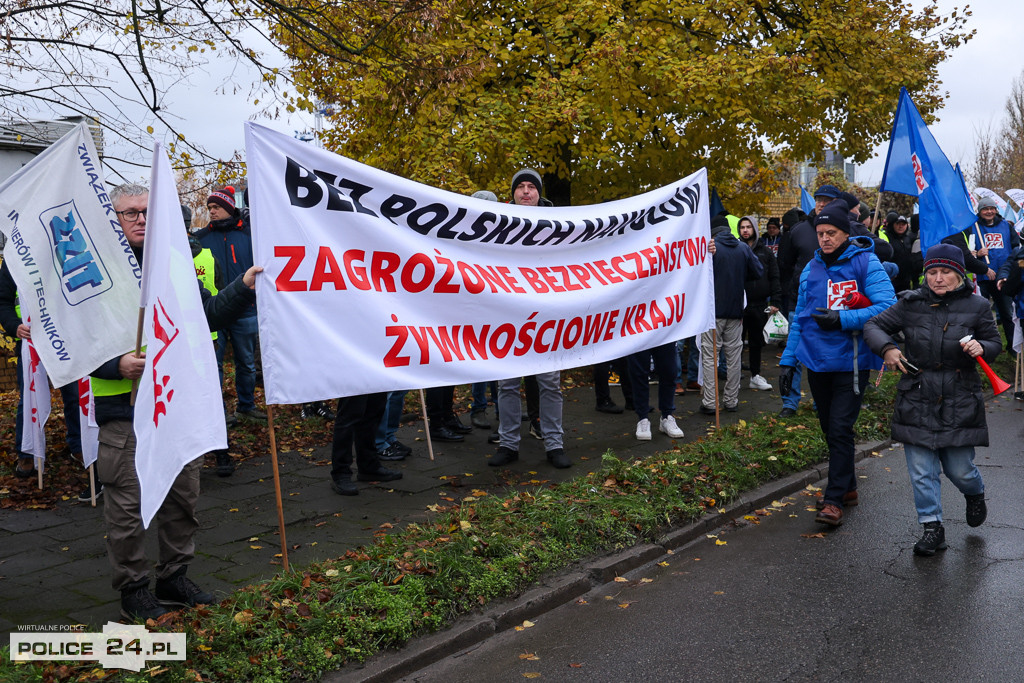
[[943, 405]]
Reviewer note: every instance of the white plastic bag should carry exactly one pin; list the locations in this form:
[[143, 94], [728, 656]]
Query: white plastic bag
[[776, 329]]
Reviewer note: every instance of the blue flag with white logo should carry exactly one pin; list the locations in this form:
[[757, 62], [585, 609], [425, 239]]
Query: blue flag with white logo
[[917, 166], [806, 200]]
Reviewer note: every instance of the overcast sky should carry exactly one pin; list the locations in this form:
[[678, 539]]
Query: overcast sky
[[978, 78]]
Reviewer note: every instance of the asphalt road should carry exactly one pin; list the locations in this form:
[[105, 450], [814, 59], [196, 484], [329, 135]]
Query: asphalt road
[[773, 601]]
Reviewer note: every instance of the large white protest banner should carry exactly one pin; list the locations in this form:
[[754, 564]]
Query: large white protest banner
[[376, 283], [179, 415], [77, 277]]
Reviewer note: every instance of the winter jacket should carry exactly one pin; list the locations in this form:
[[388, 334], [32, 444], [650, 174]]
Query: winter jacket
[[856, 270], [903, 256], [734, 264], [1011, 271], [1001, 240], [230, 240], [942, 406], [766, 289], [230, 304], [9, 318]]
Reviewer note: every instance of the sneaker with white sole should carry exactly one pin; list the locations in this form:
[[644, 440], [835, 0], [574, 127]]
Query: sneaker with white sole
[[758, 383], [668, 426], [643, 430]]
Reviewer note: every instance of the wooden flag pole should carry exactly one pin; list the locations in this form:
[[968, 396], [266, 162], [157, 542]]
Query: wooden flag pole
[[277, 486], [878, 214], [714, 368], [426, 424], [39, 472], [92, 483], [138, 351]]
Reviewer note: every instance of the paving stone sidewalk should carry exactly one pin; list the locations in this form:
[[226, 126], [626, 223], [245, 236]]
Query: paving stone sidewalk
[[54, 568]]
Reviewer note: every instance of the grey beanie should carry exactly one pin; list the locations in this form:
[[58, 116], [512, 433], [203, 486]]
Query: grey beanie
[[486, 195], [527, 174], [987, 203]]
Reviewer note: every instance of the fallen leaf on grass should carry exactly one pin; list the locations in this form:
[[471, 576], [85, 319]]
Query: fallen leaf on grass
[[331, 572]]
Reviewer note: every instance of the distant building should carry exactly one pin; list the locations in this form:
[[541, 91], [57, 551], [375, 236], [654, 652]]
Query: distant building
[[21, 141]]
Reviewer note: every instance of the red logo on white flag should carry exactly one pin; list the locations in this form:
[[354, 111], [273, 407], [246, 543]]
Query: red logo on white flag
[[837, 293], [162, 331], [922, 184]]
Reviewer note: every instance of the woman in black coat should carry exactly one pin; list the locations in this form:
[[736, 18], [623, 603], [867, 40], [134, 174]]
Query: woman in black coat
[[940, 411]]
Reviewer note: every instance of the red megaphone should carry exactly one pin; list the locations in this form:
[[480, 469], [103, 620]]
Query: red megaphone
[[998, 385]]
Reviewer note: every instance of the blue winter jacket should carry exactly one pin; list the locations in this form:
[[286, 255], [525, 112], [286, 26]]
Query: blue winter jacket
[[857, 269], [230, 240]]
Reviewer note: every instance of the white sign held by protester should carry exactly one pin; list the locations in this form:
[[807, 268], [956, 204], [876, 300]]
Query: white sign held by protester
[[179, 415], [77, 277], [375, 283]]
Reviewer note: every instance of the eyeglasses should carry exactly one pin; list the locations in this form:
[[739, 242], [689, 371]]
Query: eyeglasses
[[131, 215]]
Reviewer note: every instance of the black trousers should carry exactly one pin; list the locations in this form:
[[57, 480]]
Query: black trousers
[[355, 427], [838, 408]]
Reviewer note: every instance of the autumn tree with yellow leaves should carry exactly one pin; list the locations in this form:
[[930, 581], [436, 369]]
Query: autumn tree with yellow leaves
[[609, 98]]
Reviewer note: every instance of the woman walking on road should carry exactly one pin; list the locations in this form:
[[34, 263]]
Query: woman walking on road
[[940, 412]]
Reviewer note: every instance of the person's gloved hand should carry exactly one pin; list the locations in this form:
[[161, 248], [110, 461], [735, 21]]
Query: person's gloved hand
[[786, 375], [827, 319]]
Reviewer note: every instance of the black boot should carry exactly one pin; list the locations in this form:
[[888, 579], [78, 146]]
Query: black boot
[[225, 465], [179, 590], [977, 511], [138, 604], [934, 538]]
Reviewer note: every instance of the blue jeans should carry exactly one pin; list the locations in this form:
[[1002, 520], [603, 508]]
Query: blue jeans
[[243, 344], [692, 359], [480, 396], [385, 435], [924, 466]]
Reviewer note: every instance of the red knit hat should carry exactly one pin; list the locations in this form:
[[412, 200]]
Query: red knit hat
[[224, 198]]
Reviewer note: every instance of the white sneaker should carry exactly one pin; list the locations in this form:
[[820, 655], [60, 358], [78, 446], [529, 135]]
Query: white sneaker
[[758, 382], [643, 430], [669, 426]]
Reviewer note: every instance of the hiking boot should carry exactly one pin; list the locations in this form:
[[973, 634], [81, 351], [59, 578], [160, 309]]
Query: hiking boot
[[609, 406], [558, 458], [380, 474], [456, 425], [225, 465], [643, 430], [849, 498], [442, 433], [787, 412], [535, 429], [180, 590], [138, 604], [503, 457], [934, 538], [977, 511], [759, 383], [251, 415], [344, 487], [830, 514], [668, 426]]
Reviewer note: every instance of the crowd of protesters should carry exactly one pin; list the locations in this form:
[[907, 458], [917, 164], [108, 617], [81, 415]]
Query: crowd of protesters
[[835, 274]]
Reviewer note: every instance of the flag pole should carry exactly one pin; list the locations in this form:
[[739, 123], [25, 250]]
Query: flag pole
[[39, 472], [426, 424], [714, 373], [981, 240], [138, 350], [277, 486], [92, 484], [878, 213]]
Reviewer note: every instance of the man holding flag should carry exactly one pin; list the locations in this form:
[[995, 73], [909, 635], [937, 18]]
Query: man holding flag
[[128, 488]]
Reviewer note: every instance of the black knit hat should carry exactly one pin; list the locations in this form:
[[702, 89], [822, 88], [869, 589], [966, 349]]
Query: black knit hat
[[527, 174], [945, 256], [792, 217], [836, 215]]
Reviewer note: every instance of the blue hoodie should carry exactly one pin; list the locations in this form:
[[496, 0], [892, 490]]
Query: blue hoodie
[[734, 263], [856, 269]]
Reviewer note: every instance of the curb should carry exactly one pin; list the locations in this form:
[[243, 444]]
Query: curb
[[472, 629]]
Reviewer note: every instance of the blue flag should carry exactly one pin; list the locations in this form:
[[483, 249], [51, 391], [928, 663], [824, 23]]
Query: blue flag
[[806, 201], [715, 206], [917, 166]]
